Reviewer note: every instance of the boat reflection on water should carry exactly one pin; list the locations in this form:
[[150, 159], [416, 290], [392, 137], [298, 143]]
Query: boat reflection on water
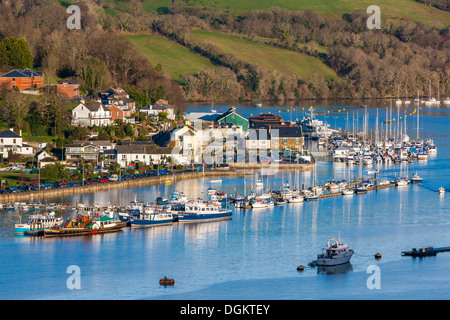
[[339, 269]]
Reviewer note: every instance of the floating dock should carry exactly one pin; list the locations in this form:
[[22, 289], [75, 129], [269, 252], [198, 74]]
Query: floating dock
[[425, 252]]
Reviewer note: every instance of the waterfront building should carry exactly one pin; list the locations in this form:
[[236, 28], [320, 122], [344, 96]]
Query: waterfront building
[[265, 120], [286, 137], [231, 116]]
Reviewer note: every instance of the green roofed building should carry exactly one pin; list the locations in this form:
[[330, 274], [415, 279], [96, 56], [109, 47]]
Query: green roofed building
[[231, 116]]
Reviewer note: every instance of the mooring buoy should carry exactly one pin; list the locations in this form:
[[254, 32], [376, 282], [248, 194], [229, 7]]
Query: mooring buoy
[[300, 268], [378, 256], [166, 282]]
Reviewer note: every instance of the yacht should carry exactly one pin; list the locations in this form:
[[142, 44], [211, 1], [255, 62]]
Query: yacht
[[447, 100], [348, 192], [259, 184], [441, 190], [203, 211], [296, 199], [335, 253], [384, 182], [152, 219], [402, 182], [416, 178], [259, 204]]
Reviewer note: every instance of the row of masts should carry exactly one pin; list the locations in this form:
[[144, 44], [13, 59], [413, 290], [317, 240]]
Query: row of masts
[[430, 100], [390, 131]]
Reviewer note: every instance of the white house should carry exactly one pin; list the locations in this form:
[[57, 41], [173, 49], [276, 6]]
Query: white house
[[12, 142], [146, 154], [154, 110], [91, 114]]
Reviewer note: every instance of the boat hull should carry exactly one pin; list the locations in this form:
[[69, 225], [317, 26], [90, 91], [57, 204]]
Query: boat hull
[[70, 232], [333, 262], [194, 217], [150, 223]]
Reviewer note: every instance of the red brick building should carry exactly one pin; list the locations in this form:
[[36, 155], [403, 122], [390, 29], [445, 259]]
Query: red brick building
[[68, 88], [22, 79]]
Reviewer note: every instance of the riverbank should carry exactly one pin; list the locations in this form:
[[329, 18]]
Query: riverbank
[[232, 171]]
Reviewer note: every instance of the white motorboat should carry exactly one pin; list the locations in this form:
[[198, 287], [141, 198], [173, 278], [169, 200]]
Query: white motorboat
[[335, 253], [259, 204], [402, 182], [416, 178], [441, 190], [259, 184], [447, 100], [296, 199], [348, 192], [373, 171], [384, 182]]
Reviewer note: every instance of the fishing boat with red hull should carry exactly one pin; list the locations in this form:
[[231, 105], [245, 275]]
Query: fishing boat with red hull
[[83, 224]]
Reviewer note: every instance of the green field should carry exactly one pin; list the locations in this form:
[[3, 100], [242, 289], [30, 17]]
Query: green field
[[265, 56], [174, 58], [408, 9]]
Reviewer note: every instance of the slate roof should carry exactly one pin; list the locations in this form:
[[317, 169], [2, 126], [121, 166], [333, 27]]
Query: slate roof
[[8, 134], [26, 73]]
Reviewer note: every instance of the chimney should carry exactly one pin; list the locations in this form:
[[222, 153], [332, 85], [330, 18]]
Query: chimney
[[20, 133]]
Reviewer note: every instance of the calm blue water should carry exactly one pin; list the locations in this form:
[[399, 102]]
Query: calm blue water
[[255, 255]]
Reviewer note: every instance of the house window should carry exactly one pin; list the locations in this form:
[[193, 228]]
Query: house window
[[297, 140], [285, 140], [276, 141], [14, 140]]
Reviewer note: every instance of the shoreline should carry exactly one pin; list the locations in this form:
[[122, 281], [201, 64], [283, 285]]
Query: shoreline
[[237, 171]]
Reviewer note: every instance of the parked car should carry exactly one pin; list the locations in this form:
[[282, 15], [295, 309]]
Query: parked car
[[104, 180]]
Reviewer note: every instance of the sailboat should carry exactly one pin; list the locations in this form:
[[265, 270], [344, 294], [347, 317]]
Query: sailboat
[[212, 107], [431, 100], [418, 97], [398, 101], [406, 101]]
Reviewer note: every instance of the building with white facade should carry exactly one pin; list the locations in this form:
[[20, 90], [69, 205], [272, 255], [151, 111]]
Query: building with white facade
[[13, 142], [91, 114]]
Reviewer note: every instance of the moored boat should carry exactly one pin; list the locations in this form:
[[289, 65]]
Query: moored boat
[[416, 178], [335, 253], [85, 225], [163, 217], [203, 211], [441, 190], [38, 222]]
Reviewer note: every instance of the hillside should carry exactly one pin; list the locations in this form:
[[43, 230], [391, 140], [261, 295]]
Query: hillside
[[403, 9], [174, 59], [267, 57]]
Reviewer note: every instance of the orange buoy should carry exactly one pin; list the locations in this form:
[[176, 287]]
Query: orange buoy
[[300, 268], [166, 282], [378, 256]]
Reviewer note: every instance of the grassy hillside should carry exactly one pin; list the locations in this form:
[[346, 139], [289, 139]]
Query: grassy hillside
[[174, 58], [271, 58], [408, 9]]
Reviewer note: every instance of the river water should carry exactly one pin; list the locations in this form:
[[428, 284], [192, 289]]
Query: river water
[[255, 254]]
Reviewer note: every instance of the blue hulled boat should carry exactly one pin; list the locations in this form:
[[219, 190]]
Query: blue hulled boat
[[204, 211]]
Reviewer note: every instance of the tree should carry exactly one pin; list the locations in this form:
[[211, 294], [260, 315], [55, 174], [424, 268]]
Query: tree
[[18, 106], [15, 53]]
